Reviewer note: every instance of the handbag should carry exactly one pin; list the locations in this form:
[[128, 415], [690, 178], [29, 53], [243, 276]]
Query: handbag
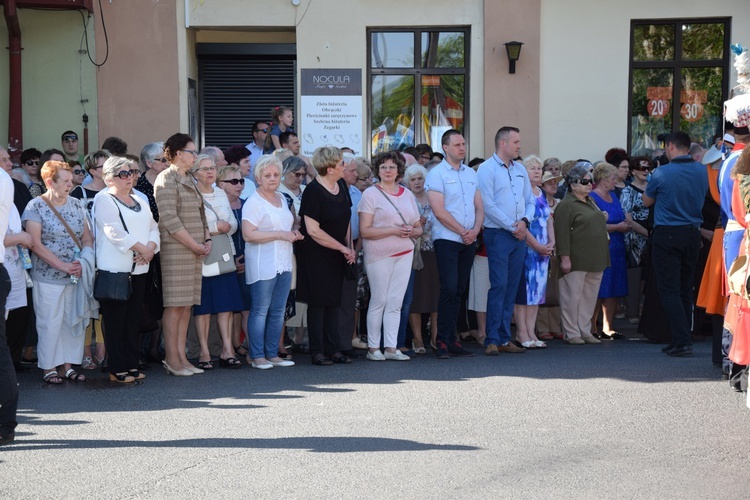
[[738, 272], [417, 263], [110, 285], [220, 259]]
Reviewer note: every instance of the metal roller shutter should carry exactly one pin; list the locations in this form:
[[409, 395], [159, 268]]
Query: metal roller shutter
[[236, 91]]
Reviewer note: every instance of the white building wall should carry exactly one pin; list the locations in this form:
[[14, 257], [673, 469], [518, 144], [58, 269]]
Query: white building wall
[[585, 49], [332, 33]]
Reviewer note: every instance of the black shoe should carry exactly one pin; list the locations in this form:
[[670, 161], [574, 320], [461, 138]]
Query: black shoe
[[667, 348], [355, 353], [32, 361], [442, 351], [685, 350], [455, 349], [7, 438]]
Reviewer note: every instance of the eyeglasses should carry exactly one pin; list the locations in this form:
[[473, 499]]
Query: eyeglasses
[[206, 169], [78, 171], [388, 167], [364, 179], [124, 174], [163, 160], [584, 182], [300, 175], [31, 162], [424, 157], [234, 182], [191, 151], [70, 138]]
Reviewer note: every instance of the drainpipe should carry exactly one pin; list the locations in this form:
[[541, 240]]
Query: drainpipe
[[15, 125]]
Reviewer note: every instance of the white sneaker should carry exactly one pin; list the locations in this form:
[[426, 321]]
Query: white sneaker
[[396, 356], [375, 356]]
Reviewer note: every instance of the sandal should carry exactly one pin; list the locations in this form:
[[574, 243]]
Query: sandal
[[300, 348], [241, 350], [123, 378], [205, 365], [545, 336], [136, 374], [52, 377], [230, 363], [557, 335], [88, 363], [285, 355], [321, 360], [73, 375], [341, 359]]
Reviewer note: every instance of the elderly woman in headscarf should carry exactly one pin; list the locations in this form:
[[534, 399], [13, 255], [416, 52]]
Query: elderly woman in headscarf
[[583, 247]]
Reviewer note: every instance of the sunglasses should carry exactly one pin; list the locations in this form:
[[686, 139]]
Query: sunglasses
[[78, 171], [70, 138], [124, 174], [264, 130], [234, 182], [163, 160], [584, 182], [641, 168], [300, 175], [31, 162]]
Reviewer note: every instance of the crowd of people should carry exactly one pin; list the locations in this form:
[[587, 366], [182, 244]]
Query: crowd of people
[[380, 259]]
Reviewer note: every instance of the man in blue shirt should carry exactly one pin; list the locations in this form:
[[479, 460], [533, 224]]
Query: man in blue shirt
[[455, 201], [260, 130], [677, 191], [508, 208]]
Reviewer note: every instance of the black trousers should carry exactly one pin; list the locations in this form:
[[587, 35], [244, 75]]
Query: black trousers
[[15, 329], [674, 257], [323, 329], [8, 383], [121, 320], [346, 314]]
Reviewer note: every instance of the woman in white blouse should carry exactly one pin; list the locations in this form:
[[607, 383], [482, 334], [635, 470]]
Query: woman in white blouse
[[220, 294], [127, 238], [269, 230]]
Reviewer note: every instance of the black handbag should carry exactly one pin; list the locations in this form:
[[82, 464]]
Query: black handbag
[[113, 286]]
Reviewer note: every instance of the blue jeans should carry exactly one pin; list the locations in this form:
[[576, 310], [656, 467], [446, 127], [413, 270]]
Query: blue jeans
[[405, 306], [505, 255], [454, 262], [267, 304]]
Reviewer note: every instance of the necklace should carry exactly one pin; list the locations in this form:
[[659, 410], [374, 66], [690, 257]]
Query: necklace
[[332, 190]]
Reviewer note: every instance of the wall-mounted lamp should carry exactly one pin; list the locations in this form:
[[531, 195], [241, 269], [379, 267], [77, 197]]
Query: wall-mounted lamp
[[514, 53], [295, 2]]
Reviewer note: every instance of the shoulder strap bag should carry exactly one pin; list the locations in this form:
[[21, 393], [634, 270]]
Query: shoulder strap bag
[[417, 263], [64, 223], [221, 258], [113, 286]]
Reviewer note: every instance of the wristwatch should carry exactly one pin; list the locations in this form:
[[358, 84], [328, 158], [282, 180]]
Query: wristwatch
[[528, 225]]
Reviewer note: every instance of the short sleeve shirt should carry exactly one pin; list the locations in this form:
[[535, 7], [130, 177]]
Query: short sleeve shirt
[[458, 188], [54, 236]]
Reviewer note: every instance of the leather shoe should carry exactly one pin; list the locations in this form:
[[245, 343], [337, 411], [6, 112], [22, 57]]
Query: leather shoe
[[511, 348], [7, 438], [685, 350], [491, 350]]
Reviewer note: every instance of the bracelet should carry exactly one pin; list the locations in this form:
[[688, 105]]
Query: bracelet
[[207, 240]]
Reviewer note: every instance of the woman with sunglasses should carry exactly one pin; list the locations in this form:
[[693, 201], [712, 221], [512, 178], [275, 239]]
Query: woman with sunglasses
[[635, 240], [30, 164], [231, 181], [185, 241], [152, 163], [583, 247], [128, 239], [220, 294]]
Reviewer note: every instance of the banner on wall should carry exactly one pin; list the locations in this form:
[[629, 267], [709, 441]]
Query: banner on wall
[[331, 109]]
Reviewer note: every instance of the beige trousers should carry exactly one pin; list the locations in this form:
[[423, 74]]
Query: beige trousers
[[578, 292]]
